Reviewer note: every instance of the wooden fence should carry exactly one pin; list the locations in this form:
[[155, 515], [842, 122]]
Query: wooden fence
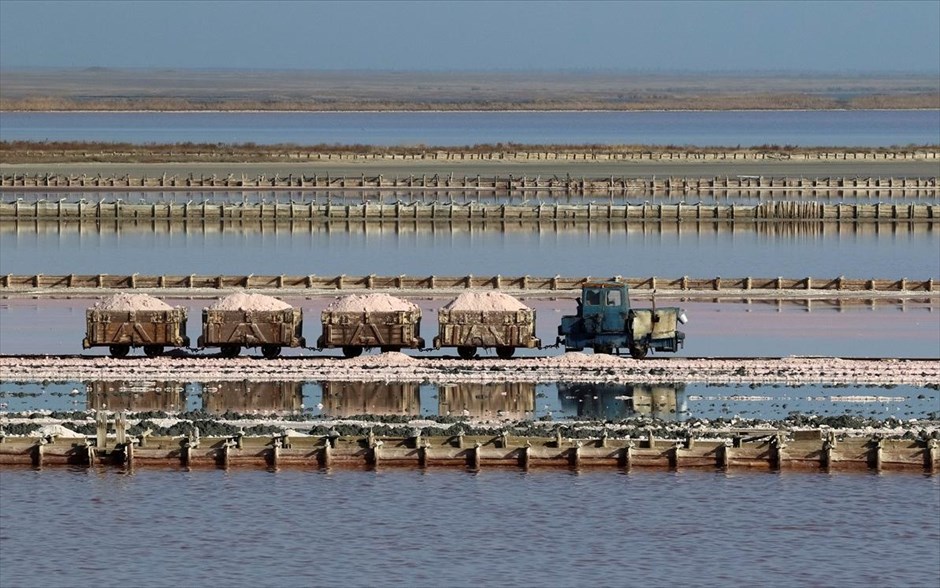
[[790, 211], [403, 282]]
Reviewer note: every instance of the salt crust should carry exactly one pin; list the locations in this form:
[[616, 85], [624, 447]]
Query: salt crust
[[370, 303], [246, 301], [131, 302], [485, 301]]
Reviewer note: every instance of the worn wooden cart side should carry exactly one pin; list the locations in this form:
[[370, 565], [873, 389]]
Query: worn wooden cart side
[[271, 330], [355, 331], [120, 330], [504, 330]]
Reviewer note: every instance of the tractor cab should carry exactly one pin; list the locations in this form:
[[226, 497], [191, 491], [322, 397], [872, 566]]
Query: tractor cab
[[606, 323]]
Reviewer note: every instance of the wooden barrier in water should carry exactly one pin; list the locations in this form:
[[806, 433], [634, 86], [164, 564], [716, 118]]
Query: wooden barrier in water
[[807, 450], [297, 284], [422, 212], [553, 185]]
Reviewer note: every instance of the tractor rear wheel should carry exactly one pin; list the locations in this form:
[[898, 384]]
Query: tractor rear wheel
[[603, 349], [638, 351]]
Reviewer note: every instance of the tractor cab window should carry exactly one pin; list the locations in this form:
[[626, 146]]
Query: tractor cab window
[[593, 298], [613, 298]]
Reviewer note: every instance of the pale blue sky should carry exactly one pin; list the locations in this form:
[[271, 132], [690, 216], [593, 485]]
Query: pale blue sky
[[834, 37]]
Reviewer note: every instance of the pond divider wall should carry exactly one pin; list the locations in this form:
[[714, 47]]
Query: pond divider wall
[[811, 450], [430, 212], [555, 185], [300, 284]]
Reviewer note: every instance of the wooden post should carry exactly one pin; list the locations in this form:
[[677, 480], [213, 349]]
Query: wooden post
[[101, 437], [724, 455], [777, 456], [524, 456], [36, 453], [475, 456]]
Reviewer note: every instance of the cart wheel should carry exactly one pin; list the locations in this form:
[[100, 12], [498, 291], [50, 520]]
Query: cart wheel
[[270, 351], [387, 348], [352, 351], [153, 350], [119, 350], [505, 352], [638, 351], [231, 351], [466, 352]]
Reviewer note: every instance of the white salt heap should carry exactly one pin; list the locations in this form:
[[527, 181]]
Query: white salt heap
[[387, 359], [131, 302], [370, 303], [246, 301], [484, 301]]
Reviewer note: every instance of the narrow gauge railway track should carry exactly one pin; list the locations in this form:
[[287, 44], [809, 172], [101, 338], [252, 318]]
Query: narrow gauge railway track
[[573, 367]]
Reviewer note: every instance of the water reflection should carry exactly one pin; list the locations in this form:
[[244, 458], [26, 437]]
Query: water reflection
[[510, 400], [493, 400], [247, 397], [343, 399], [133, 396], [612, 401]]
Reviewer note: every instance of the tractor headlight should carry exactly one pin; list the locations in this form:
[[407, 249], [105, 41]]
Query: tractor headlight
[[682, 318]]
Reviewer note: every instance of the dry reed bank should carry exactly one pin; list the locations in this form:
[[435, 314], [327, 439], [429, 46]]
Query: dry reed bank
[[103, 89]]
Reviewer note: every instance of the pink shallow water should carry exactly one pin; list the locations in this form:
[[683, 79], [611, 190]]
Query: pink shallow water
[[731, 329]]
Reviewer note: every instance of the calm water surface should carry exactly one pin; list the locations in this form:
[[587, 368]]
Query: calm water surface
[[747, 128], [452, 528], [704, 250]]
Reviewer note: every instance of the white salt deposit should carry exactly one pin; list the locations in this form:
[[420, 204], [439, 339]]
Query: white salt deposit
[[131, 302], [578, 359], [246, 301], [55, 430], [387, 359], [370, 303], [485, 301]]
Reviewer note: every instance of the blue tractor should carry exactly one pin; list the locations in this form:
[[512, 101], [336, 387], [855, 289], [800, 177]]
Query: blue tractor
[[606, 323]]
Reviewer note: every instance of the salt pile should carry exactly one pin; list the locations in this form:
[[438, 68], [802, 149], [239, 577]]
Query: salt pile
[[370, 303], [485, 301], [246, 301], [131, 302], [387, 359], [55, 430], [578, 359]]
